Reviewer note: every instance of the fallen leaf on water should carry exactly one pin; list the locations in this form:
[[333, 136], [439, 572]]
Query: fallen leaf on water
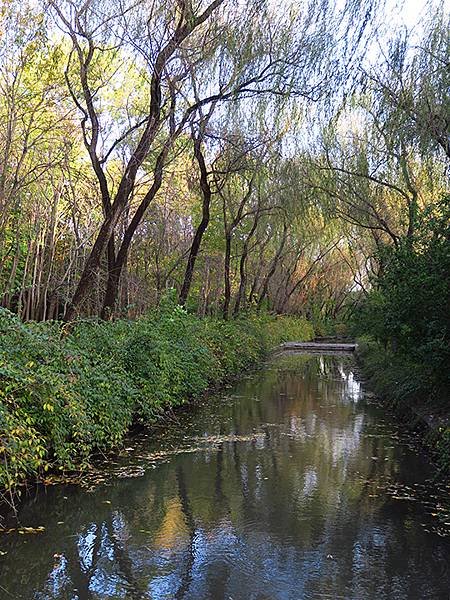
[[39, 529], [24, 530]]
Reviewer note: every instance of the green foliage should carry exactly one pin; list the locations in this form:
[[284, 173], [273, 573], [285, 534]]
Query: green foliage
[[65, 395], [406, 318], [408, 310]]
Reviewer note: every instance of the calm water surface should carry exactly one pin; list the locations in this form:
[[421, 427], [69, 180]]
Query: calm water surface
[[293, 485]]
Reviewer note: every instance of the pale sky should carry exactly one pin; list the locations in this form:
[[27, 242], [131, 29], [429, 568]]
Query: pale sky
[[413, 11]]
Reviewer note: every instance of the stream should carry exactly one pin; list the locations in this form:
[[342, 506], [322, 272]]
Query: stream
[[294, 483]]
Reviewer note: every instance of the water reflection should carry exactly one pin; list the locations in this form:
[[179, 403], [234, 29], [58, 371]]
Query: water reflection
[[283, 498]]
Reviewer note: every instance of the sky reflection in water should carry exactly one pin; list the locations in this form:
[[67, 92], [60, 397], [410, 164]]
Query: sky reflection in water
[[284, 497]]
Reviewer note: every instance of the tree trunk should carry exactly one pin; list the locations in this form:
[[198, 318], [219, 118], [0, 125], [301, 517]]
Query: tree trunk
[[88, 276], [240, 298], [195, 246], [227, 282], [115, 271], [229, 229]]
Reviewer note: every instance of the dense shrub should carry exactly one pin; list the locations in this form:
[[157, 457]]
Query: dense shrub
[[65, 395], [408, 311]]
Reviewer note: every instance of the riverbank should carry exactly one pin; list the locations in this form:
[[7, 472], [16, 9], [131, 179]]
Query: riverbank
[[410, 389], [65, 395]]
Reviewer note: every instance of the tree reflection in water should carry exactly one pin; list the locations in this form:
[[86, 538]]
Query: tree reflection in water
[[288, 501]]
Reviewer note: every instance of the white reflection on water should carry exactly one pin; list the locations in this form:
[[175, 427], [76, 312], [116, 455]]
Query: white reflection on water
[[353, 388], [85, 545], [310, 482], [58, 580]]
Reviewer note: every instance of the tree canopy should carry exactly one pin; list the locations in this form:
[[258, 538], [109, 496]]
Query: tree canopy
[[245, 155]]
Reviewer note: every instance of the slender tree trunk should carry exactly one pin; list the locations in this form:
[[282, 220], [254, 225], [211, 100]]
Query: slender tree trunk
[[255, 283], [227, 281], [242, 283], [115, 271], [206, 290], [240, 298], [229, 229], [49, 254], [12, 275], [196, 242], [89, 274]]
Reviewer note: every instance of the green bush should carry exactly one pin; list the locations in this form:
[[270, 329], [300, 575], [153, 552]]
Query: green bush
[[408, 311], [65, 395]]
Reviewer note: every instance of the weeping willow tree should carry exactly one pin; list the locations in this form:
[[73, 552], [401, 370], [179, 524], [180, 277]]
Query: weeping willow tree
[[190, 59], [411, 85], [380, 158]]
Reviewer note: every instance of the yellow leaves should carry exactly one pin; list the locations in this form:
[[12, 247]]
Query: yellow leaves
[[48, 407], [24, 530]]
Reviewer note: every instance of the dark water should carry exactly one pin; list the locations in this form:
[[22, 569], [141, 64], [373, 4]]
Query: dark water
[[293, 485]]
